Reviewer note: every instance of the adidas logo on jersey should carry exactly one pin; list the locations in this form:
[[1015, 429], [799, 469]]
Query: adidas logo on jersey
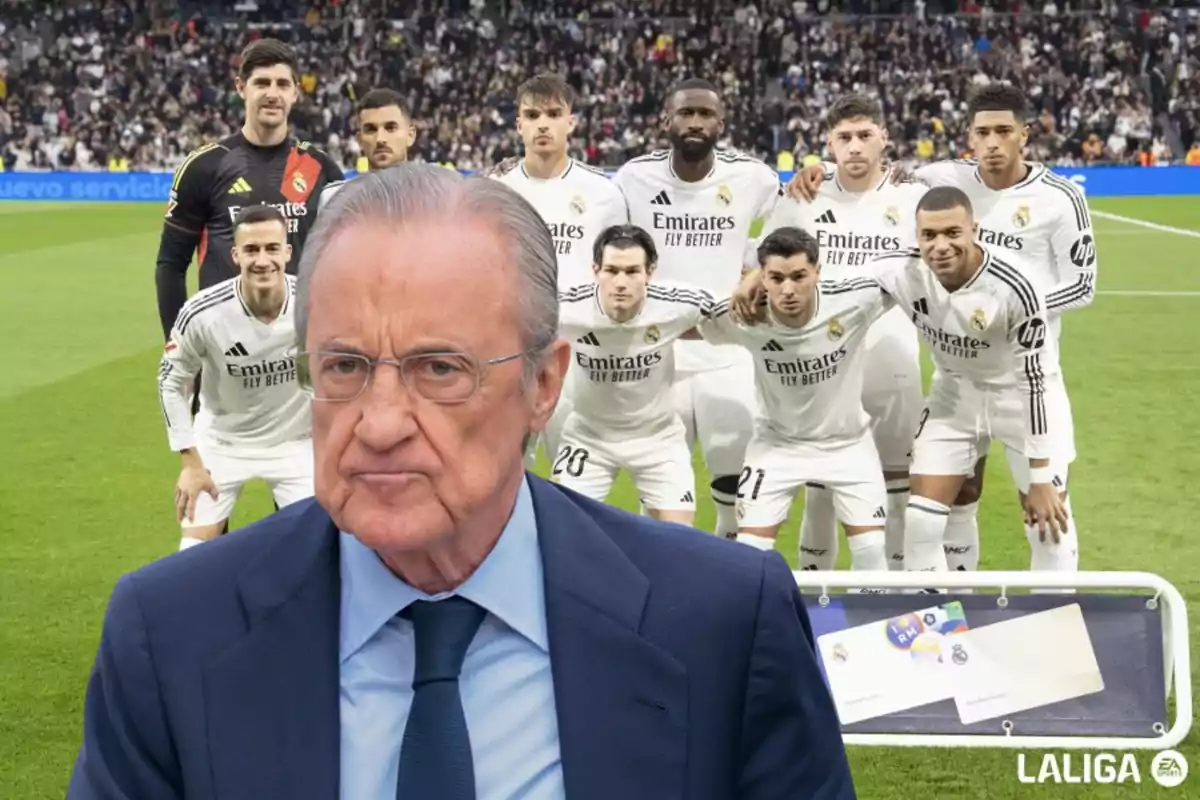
[[879, 513], [661, 199], [238, 349], [773, 346], [240, 186], [687, 498], [921, 306], [827, 218], [589, 339]]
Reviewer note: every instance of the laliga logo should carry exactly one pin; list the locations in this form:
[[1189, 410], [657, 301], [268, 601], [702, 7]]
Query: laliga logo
[[1168, 768]]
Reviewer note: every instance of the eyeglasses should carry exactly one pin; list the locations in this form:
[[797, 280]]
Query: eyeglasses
[[445, 378]]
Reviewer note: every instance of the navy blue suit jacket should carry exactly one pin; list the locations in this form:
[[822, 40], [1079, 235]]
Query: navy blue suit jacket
[[683, 667]]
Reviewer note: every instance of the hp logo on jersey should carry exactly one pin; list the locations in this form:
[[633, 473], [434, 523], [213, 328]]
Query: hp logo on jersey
[[1083, 252], [1032, 333]]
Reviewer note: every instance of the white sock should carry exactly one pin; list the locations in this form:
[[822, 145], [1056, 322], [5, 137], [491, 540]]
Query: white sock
[[188, 541], [1051, 556], [962, 538], [756, 541], [924, 530], [818, 531], [727, 524], [867, 551], [894, 528]]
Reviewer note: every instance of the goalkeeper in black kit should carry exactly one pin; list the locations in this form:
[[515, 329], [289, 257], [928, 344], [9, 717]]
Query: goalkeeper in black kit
[[261, 164]]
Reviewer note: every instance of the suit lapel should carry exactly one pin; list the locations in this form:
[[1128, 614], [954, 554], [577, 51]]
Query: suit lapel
[[272, 697], [621, 700]]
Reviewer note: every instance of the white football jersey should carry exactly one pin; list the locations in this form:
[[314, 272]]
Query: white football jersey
[[624, 370], [248, 391], [851, 228], [701, 229], [577, 206], [810, 379], [992, 331], [1041, 225]]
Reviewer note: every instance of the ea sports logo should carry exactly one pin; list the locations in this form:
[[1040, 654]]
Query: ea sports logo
[[1169, 768]]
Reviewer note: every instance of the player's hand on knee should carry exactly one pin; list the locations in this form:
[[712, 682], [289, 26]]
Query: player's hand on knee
[[1045, 509], [192, 481], [805, 183]]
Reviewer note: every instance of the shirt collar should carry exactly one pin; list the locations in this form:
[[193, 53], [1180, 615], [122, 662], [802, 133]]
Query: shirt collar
[[508, 584]]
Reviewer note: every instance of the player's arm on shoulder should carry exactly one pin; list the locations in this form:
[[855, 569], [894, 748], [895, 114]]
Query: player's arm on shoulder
[[791, 743], [126, 750], [720, 325], [1073, 248], [189, 208], [331, 170]]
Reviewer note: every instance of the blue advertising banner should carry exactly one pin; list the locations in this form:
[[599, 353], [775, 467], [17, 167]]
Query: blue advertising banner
[[155, 186]]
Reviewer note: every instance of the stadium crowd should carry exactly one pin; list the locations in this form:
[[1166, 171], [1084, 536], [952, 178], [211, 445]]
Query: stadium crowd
[[137, 84]]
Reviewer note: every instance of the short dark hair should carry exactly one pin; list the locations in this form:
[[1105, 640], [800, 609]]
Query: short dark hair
[[266, 53], [383, 98], [787, 242], [624, 237], [998, 97], [259, 213], [944, 198], [853, 106], [547, 86]]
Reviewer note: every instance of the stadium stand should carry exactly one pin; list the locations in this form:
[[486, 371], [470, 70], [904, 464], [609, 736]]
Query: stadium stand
[[137, 84]]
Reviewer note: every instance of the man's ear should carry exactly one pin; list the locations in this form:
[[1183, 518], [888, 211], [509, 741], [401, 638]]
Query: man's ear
[[548, 382]]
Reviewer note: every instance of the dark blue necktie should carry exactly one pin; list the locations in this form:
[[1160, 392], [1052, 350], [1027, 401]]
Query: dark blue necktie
[[435, 757]]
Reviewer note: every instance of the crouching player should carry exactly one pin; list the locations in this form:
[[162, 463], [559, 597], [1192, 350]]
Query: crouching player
[[808, 367], [997, 377], [622, 328], [254, 420]]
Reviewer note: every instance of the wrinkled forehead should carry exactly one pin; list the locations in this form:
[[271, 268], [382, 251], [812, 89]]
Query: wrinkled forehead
[[443, 276]]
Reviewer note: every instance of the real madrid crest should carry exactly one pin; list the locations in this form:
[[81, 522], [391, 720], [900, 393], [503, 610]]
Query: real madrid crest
[[840, 653], [653, 334], [1021, 218], [298, 182], [724, 195], [979, 320], [577, 205], [836, 331], [892, 216]]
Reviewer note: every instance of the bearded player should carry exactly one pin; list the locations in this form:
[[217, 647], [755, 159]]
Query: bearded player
[[1039, 222], [260, 164], [254, 418], [698, 203], [385, 132], [858, 214], [577, 202]]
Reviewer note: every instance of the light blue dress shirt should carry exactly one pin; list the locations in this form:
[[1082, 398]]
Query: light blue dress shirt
[[506, 686]]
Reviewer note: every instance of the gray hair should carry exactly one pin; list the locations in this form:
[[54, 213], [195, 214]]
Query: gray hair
[[412, 190]]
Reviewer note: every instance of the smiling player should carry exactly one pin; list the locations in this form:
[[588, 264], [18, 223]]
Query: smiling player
[[254, 419]]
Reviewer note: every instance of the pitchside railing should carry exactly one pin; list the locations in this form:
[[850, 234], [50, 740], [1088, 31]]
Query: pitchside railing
[[1035, 660]]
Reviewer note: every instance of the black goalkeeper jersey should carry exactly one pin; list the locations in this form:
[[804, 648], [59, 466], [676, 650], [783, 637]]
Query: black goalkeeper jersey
[[209, 189]]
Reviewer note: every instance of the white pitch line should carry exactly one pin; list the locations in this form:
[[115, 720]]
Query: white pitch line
[[1140, 293], [1154, 226]]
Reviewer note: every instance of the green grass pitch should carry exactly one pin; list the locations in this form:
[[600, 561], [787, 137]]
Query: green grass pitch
[[86, 477]]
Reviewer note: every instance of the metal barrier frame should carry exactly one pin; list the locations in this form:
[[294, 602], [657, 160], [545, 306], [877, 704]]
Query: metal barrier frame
[[1176, 648]]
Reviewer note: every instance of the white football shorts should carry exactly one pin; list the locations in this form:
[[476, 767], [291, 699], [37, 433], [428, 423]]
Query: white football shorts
[[660, 463], [717, 407], [962, 419], [776, 469], [287, 468], [892, 394]]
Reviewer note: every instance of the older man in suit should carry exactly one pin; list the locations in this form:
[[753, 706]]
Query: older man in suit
[[436, 623]]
